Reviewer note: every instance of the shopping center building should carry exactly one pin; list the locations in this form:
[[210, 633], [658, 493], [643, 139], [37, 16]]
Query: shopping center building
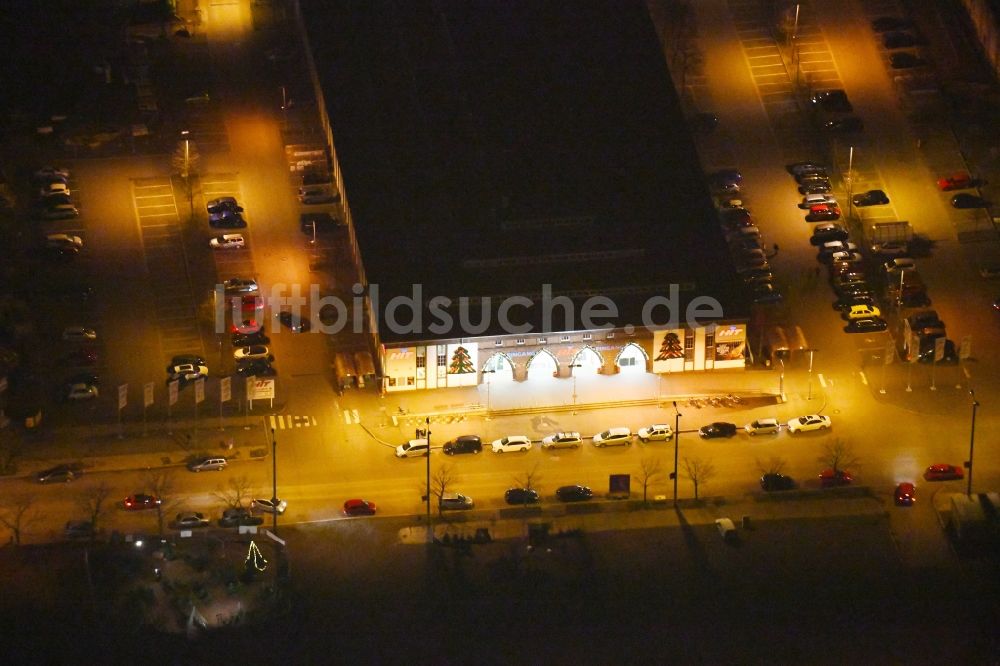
[[521, 192]]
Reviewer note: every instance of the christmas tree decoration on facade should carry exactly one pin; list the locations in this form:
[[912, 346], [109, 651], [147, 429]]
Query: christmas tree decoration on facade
[[670, 347], [461, 363]]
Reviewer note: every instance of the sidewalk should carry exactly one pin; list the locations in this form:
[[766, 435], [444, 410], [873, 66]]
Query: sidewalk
[[101, 449], [617, 515]]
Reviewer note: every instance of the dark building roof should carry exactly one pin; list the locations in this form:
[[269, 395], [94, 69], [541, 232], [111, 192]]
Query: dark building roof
[[490, 147]]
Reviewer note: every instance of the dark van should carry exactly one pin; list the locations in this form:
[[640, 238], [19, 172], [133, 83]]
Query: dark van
[[464, 444]]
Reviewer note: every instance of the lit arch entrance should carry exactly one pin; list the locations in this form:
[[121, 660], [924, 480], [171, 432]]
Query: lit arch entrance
[[542, 365], [632, 358], [498, 368], [587, 362]]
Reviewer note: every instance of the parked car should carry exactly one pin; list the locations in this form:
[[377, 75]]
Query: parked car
[[845, 125], [255, 338], [48, 174], [763, 294], [253, 352], [269, 506], [260, 367], [317, 195], [957, 181], [943, 472], [891, 249], [294, 322], [562, 440], [520, 496], [809, 422], [223, 204], [359, 507], [189, 520], [966, 200], [866, 325], [799, 168], [717, 430], [227, 242], [81, 391], [823, 212], [412, 449], [463, 444], [927, 347], [829, 478], [239, 286], [59, 474], [870, 198], [187, 372], [511, 443], [823, 233], [773, 481], [81, 358], [898, 265], [208, 464], [816, 199], [63, 240], [455, 502], [762, 427], [62, 211], [658, 432], [834, 101], [79, 334], [140, 501], [905, 494], [816, 186], [574, 493], [861, 311], [227, 220], [613, 437], [238, 515], [829, 249]]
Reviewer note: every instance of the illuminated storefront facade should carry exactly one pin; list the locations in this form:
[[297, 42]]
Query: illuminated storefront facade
[[524, 358]]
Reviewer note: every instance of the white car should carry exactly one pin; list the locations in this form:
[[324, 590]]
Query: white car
[[456, 501], [847, 257], [891, 249], [267, 506], [562, 440], [809, 422], [190, 519], [79, 334], [613, 437], [228, 242], [63, 240], [54, 187], [414, 448], [816, 199], [81, 392], [511, 443], [251, 352], [240, 286], [658, 432], [188, 372]]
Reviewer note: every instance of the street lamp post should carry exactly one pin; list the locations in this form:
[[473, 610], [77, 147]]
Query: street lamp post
[[274, 482], [795, 46], [427, 436], [489, 384], [677, 435], [972, 442], [572, 369]]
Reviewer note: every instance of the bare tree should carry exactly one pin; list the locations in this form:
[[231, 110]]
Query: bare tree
[[529, 480], [10, 450], [16, 514], [699, 471], [239, 489], [441, 481], [160, 484], [649, 469], [773, 466], [92, 502], [838, 456]]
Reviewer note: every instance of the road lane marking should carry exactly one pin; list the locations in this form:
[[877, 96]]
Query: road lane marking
[[347, 416], [357, 415], [864, 380], [822, 381]]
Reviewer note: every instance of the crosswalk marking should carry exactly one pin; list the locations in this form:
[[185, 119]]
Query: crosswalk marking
[[347, 416], [288, 421]]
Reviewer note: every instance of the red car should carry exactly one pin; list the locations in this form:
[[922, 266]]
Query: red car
[[140, 501], [956, 181], [359, 507], [942, 472], [829, 478], [823, 213], [905, 494]]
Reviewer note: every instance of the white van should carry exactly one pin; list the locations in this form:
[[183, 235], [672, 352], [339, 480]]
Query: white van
[[762, 427]]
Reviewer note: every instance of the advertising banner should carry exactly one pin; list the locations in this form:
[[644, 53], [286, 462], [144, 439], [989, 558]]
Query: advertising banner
[[147, 394], [262, 389], [463, 364], [122, 396], [172, 390], [225, 389], [730, 344], [199, 391], [668, 350]]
